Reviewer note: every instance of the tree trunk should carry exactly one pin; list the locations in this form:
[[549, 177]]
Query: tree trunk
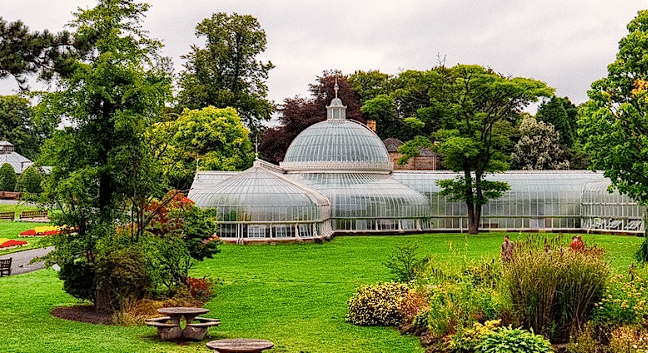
[[473, 215], [473, 220], [105, 299]]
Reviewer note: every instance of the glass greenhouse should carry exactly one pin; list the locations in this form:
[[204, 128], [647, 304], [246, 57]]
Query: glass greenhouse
[[259, 203], [337, 178], [604, 211], [547, 200]]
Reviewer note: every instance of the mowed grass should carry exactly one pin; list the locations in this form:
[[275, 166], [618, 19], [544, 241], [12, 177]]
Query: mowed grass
[[292, 294], [23, 206]]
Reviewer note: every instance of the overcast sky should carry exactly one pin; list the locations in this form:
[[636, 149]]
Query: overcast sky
[[565, 43]]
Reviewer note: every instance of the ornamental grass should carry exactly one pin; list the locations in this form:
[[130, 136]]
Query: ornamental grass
[[553, 289]]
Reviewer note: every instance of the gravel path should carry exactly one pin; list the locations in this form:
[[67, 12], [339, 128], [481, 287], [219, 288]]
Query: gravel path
[[20, 263]]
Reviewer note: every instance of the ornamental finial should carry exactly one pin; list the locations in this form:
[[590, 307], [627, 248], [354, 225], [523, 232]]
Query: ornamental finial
[[336, 88]]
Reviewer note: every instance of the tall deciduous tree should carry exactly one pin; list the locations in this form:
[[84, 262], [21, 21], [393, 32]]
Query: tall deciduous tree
[[615, 119], [206, 139], [103, 171], [480, 108], [298, 113], [227, 72], [538, 147]]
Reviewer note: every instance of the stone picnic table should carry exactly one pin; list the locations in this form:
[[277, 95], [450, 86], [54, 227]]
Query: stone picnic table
[[240, 345], [193, 331]]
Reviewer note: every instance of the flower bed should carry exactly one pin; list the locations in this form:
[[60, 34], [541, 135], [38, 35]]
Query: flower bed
[[41, 231], [7, 243]]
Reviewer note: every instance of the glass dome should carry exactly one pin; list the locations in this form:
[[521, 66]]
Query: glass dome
[[337, 144], [268, 204]]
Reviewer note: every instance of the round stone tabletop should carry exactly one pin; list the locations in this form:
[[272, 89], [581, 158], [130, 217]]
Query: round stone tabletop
[[181, 310], [240, 345]]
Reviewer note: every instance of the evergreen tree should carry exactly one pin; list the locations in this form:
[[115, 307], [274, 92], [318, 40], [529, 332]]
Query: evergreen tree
[[7, 178], [553, 112], [30, 181]]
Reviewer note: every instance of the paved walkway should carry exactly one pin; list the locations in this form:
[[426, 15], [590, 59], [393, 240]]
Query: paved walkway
[[20, 263]]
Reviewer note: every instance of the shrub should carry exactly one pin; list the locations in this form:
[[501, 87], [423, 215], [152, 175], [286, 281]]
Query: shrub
[[78, 279], [200, 288], [484, 274], [379, 304], [7, 178], [586, 341], [625, 300], [510, 340], [457, 305], [403, 263], [30, 181], [641, 255], [123, 276], [554, 292], [467, 339]]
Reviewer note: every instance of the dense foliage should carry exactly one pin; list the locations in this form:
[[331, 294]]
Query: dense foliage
[[510, 340], [538, 147], [547, 290], [19, 126], [106, 177], [7, 177], [614, 120], [30, 181], [554, 290], [378, 304], [205, 139], [226, 72]]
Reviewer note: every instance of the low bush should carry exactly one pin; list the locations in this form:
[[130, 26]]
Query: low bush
[[457, 305], [625, 300], [467, 339], [506, 339], [379, 304], [587, 340], [201, 288]]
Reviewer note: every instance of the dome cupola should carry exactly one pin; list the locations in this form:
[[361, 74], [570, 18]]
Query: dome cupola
[[337, 145]]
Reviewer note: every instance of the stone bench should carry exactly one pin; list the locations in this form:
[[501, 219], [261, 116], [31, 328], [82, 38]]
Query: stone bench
[[165, 330], [198, 329]]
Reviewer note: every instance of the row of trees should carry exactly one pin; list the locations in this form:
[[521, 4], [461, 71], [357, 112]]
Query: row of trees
[[28, 182]]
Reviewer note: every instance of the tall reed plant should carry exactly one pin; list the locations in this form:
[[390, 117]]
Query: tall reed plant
[[553, 289]]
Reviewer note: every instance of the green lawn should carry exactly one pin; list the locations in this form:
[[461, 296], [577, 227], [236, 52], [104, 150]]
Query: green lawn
[[294, 295], [17, 208], [12, 230]]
